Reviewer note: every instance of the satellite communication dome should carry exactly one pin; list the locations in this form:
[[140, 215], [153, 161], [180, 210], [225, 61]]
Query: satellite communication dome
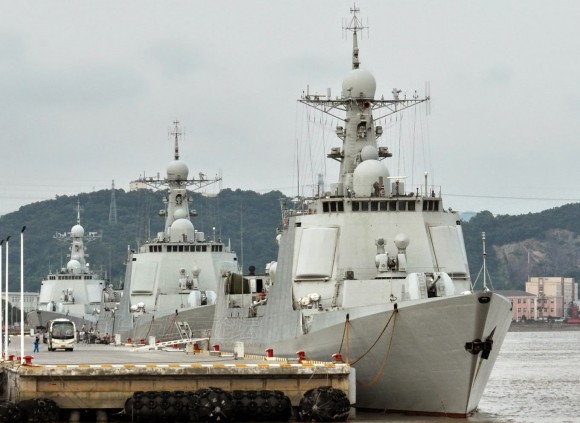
[[365, 176], [74, 266], [359, 83], [179, 214], [182, 230], [196, 270], [402, 241], [369, 152], [177, 171], [77, 231]]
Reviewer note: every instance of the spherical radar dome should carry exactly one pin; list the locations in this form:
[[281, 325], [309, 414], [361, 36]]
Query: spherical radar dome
[[177, 170], [182, 230], [77, 231], [359, 83], [179, 214], [368, 173], [73, 266], [402, 241], [369, 152]]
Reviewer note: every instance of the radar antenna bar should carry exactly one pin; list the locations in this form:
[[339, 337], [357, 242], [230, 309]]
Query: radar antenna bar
[[326, 106]]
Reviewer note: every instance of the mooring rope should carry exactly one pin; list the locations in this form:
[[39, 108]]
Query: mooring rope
[[394, 313], [344, 332], [345, 340]]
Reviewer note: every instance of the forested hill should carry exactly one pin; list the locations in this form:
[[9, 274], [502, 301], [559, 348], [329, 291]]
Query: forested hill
[[235, 215], [249, 220], [551, 238]]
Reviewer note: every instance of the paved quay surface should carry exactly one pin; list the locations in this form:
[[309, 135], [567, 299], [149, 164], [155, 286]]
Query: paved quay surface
[[103, 376], [114, 354]]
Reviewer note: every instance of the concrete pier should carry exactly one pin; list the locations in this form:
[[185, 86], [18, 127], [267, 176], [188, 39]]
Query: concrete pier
[[96, 376]]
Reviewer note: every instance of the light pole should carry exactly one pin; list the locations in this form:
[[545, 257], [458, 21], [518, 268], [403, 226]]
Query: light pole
[[6, 261], [7, 334], [22, 295], [528, 268], [1, 353]]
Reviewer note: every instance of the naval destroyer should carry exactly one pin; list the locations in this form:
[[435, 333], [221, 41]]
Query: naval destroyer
[[76, 291], [171, 281], [373, 273]]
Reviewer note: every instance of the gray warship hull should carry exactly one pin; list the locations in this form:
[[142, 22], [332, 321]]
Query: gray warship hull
[[372, 272], [410, 360]]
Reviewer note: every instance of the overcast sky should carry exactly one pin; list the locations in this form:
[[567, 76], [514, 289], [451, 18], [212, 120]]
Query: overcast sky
[[88, 91]]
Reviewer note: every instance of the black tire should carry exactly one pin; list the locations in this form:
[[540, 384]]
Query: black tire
[[10, 412], [324, 404], [214, 405]]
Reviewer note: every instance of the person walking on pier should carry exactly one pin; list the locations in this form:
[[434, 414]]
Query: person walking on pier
[[36, 341]]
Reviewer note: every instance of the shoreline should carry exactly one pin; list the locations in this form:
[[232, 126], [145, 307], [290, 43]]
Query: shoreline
[[542, 327]]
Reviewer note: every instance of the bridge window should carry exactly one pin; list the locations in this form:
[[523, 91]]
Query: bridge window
[[431, 205], [332, 206]]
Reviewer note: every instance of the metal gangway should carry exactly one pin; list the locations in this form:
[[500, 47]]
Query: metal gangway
[[186, 337]]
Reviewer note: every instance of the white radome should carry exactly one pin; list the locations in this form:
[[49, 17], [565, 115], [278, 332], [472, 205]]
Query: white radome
[[366, 174], [402, 241], [182, 227], [77, 231], [359, 83], [369, 152], [179, 214], [74, 266], [177, 170]]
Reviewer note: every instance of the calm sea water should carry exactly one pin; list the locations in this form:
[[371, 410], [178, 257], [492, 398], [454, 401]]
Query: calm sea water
[[536, 379]]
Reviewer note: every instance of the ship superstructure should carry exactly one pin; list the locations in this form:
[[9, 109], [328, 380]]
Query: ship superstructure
[[75, 291], [374, 273], [176, 271]]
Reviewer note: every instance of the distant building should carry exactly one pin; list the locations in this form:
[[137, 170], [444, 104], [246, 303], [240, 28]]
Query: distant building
[[145, 182], [553, 294], [30, 301], [137, 185], [524, 304], [544, 297]]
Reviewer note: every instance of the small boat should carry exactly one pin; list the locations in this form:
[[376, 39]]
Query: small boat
[[75, 292], [374, 273]]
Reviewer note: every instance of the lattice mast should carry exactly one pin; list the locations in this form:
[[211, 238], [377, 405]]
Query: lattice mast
[[113, 206]]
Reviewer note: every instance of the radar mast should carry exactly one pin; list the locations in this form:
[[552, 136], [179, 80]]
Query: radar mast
[[355, 25]]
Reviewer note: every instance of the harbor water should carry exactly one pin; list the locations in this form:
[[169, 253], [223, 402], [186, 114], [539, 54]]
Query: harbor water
[[535, 380]]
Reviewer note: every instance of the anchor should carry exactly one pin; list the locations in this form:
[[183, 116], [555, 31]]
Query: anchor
[[478, 346]]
